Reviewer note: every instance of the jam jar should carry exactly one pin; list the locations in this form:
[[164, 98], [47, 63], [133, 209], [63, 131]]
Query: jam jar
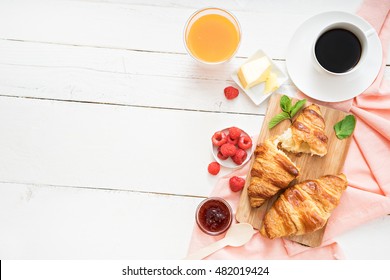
[[214, 216]]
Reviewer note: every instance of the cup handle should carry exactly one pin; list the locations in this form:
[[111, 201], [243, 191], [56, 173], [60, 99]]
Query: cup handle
[[369, 32]]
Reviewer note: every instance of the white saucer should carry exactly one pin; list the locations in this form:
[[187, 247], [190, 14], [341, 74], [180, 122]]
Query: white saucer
[[319, 84]]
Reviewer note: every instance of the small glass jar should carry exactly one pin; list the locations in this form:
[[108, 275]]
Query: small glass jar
[[214, 216]]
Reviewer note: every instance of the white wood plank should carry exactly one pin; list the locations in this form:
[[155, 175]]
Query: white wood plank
[[117, 25], [282, 6], [116, 147], [41, 222], [120, 77], [143, 63]]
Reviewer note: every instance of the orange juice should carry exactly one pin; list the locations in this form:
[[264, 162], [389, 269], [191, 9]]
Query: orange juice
[[213, 37]]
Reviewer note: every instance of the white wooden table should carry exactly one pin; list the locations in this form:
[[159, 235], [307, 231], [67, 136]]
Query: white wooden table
[[106, 122]]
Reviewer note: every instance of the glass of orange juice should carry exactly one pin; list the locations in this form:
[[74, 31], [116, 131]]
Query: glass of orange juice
[[212, 35]]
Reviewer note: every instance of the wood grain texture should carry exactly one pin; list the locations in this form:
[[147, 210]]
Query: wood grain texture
[[117, 24], [120, 77], [311, 167], [86, 74], [48, 222], [115, 147]]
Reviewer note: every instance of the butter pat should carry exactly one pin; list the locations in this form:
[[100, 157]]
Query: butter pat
[[271, 84], [254, 72]]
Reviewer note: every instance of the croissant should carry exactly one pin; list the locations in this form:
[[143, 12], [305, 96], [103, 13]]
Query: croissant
[[271, 171], [306, 134], [304, 207]]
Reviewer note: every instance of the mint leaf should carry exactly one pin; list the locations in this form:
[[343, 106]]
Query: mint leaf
[[288, 110], [345, 127], [277, 119], [297, 106], [285, 103]]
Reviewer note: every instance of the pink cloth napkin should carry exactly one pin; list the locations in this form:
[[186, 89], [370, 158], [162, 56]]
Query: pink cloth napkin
[[366, 167]]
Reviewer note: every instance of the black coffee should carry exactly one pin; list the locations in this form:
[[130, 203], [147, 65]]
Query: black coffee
[[338, 50]]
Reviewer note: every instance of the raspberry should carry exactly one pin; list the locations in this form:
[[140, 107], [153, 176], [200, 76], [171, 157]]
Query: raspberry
[[234, 132], [230, 92], [214, 168], [245, 142], [236, 183], [220, 155], [219, 138], [239, 157], [228, 149], [231, 140]]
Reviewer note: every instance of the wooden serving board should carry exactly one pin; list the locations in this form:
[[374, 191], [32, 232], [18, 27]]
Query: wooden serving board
[[311, 167]]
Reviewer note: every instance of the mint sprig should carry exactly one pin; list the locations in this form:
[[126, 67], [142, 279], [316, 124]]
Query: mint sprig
[[289, 110], [345, 127]]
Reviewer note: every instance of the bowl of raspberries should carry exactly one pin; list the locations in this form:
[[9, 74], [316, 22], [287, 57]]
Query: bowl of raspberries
[[231, 147]]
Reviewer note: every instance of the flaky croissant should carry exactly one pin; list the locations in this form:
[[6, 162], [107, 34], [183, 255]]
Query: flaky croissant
[[305, 207], [306, 134], [271, 171]]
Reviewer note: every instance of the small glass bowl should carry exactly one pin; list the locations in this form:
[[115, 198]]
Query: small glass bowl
[[214, 216]]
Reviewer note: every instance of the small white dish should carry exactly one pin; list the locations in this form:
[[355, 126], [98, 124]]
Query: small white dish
[[256, 93], [325, 86], [229, 163]]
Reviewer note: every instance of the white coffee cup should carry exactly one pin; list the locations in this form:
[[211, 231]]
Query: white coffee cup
[[361, 35]]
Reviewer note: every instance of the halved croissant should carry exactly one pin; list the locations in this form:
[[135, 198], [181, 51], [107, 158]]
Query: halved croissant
[[304, 207], [306, 134], [271, 171]]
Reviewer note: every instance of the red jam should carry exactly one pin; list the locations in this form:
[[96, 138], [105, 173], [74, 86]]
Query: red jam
[[214, 216]]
